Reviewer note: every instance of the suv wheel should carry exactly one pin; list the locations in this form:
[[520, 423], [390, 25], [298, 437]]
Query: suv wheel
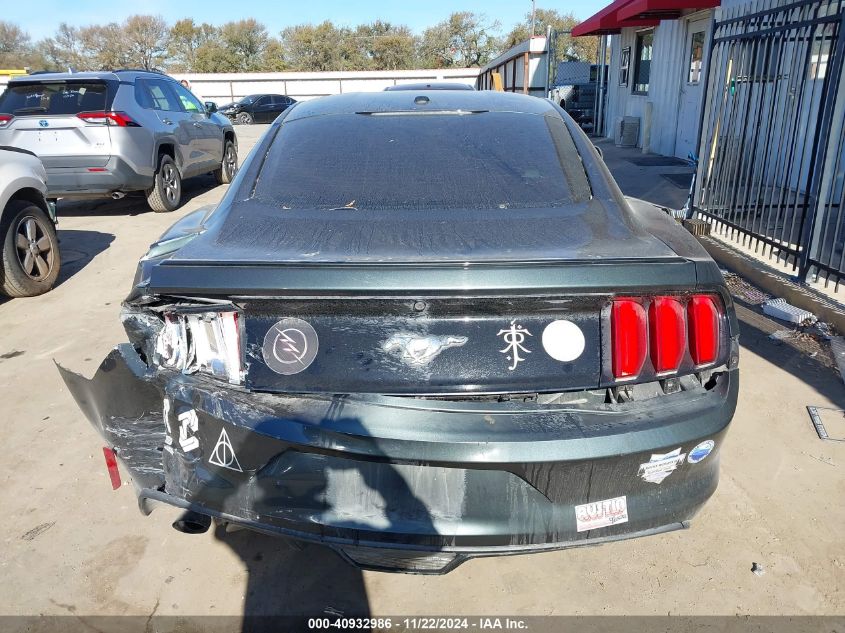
[[30, 250], [229, 166], [244, 118], [166, 193]]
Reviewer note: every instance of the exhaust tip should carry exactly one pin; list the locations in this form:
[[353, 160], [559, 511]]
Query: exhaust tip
[[117, 195], [192, 523]]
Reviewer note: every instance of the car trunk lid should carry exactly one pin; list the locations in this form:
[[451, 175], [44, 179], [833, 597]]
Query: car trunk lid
[[45, 121]]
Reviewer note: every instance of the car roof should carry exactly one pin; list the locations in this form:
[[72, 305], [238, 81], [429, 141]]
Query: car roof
[[430, 86], [420, 101], [113, 75]]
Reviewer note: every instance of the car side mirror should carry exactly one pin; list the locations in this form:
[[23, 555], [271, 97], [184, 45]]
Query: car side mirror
[[210, 107]]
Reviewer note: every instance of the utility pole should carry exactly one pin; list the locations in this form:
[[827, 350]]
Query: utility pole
[[533, 13]]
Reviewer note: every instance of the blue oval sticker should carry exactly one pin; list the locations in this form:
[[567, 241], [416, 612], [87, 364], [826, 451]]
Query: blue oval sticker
[[701, 451], [44, 123]]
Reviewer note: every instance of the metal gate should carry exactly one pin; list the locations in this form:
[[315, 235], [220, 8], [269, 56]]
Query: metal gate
[[772, 150]]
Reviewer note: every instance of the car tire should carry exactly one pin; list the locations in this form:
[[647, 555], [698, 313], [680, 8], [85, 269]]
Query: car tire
[[166, 192], [229, 167], [30, 257], [245, 118]]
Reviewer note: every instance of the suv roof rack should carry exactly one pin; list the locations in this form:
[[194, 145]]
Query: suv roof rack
[[138, 70]]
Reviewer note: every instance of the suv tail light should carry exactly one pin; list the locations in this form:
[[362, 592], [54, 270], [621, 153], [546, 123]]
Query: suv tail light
[[703, 318], [663, 329], [667, 334], [117, 119], [629, 336], [5, 119]]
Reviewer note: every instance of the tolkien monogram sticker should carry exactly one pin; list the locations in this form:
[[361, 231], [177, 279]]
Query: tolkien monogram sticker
[[514, 336]]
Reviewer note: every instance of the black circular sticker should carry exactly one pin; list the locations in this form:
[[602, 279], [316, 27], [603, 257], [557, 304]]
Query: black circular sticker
[[290, 346]]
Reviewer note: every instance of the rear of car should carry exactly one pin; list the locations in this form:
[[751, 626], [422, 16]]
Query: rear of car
[[422, 328]]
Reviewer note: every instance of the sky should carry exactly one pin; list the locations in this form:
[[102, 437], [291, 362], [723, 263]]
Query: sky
[[417, 14]]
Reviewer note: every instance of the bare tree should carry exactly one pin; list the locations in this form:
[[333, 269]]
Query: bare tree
[[65, 50], [146, 40], [15, 48]]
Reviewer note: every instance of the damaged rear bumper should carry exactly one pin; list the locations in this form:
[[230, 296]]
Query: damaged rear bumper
[[410, 484]]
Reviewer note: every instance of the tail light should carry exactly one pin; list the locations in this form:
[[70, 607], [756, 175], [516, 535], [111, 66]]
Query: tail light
[[630, 338], [667, 334], [117, 119], [204, 342], [5, 119], [663, 329], [703, 316]]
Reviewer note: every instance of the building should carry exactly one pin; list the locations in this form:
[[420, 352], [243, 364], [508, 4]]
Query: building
[[656, 71], [524, 68], [755, 89]]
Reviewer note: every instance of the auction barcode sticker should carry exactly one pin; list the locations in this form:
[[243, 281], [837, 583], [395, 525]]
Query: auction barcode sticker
[[599, 514]]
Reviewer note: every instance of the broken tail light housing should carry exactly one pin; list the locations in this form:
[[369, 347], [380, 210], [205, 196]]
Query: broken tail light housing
[[630, 338], [704, 318], [5, 119], [207, 342], [116, 119]]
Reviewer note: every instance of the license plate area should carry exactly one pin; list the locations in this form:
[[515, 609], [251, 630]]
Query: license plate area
[[425, 347]]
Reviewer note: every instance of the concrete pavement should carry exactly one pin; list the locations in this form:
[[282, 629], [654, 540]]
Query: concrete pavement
[[74, 547]]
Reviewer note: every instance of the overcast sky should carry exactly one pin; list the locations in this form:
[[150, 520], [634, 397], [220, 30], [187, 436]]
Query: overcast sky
[[417, 14]]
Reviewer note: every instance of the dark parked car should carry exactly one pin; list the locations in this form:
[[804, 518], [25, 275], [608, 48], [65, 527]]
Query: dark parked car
[[422, 327], [257, 108]]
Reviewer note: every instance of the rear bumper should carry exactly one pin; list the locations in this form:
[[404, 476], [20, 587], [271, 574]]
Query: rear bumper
[[405, 484], [80, 182]]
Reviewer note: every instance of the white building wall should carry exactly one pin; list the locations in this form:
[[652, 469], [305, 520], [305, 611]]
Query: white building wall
[[669, 66]]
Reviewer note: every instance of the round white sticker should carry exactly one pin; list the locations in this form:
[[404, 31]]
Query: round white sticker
[[563, 340]]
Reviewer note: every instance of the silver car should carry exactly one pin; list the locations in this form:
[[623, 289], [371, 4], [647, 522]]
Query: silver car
[[111, 133], [29, 249]]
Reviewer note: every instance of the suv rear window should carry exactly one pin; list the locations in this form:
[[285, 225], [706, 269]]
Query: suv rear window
[[410, 161], [55, 97]]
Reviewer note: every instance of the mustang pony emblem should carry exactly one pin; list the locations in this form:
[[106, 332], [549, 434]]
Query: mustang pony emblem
[[420, 350]]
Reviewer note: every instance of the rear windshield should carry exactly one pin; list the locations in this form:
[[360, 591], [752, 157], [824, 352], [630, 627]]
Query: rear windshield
[[68, 97], [488, 160]]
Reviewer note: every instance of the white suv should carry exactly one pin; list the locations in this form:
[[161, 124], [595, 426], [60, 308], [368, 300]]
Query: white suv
[[29, 251]]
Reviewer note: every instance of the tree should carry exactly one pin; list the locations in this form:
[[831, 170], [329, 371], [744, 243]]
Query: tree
[[15, 48], [246, 41], [104, 47], [566, 47], [384, 46], [65, 49], [186, 37], [145, 40], [309, 47], [465, 39]]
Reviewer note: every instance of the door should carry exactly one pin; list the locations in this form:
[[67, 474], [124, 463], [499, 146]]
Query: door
[[208, 135], [262, 109], [692, 87], [175, 121]]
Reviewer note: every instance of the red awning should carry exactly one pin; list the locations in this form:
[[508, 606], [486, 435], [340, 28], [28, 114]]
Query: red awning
[[623, 13]]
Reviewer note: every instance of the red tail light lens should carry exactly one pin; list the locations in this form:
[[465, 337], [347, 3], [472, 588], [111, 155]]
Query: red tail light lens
[[703, 318], [5, 119], [629, 338], [117, 119], [667, 334]]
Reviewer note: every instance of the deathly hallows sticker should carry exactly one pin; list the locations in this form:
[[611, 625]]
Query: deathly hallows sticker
[[659, 467]]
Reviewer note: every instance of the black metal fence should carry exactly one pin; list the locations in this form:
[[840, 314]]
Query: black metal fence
[[772, 151]]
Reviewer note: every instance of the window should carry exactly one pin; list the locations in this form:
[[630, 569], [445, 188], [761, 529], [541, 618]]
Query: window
[[490, 160], [66, 97], [262, 101], [190, 103], [696, 55], [155, 94], [642, 70], [624, 65]]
